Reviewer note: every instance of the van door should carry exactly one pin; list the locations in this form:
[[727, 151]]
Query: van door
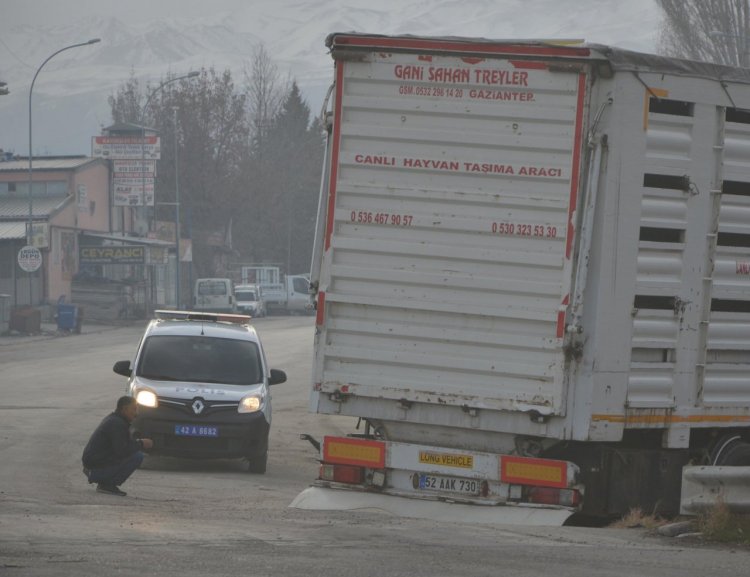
[[214, 295]]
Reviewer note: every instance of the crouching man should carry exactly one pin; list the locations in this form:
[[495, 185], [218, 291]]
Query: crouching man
[[111, 456]]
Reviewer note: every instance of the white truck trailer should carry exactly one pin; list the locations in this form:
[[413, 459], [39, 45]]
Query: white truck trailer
[[532, 272]]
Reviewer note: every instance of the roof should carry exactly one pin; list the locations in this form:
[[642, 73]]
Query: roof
[[204, 328], [21, 163], [18, 208], [619, 59], [126, 127], [129, 239], [12, 230]]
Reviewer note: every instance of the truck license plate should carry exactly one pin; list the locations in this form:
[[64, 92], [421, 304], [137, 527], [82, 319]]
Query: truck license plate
[[449, 484], [196, 431]]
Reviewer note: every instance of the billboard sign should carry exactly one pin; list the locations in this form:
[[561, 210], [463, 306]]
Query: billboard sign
[[133, 194], [126, 147], [125, 254]]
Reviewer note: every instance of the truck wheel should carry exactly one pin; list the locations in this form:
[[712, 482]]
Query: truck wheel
[[257, 465], [737, 455], [730, 451]]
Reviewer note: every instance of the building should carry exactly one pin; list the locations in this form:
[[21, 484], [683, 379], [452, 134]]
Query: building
[[92, 254]]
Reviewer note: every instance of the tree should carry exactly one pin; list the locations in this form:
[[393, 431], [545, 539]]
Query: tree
[[291, 160], [265, 93], [708, 30], [203, 124], [249, 159]]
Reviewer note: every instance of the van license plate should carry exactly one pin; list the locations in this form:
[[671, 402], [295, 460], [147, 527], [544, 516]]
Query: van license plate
[[450, 484], [196, 431]]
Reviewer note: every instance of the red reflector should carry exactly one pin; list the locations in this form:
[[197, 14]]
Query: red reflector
[[552, 496], [342, 473]]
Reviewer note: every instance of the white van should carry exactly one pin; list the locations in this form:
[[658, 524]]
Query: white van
[[214, 295]]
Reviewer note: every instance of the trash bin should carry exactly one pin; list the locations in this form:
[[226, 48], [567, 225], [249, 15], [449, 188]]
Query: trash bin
[[26, 320], [67, 318]]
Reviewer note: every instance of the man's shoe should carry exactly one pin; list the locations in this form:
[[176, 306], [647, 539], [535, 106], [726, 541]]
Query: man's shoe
[[110, 490]]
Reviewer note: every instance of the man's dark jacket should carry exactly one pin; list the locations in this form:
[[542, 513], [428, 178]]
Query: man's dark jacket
[[110, 443]]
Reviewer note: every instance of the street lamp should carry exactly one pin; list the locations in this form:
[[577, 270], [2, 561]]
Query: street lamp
[[177, 190], [31, 89]]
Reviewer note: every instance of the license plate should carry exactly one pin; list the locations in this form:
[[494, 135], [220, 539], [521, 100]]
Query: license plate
[[196, 431], [449, 484]]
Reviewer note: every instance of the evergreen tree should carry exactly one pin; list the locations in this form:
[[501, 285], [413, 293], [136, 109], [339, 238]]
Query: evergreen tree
[[247, 159]]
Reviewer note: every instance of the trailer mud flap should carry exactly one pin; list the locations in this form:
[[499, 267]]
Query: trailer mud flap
[[326, 499]]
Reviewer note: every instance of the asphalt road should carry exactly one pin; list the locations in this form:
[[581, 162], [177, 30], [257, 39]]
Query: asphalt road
[[184, 518]]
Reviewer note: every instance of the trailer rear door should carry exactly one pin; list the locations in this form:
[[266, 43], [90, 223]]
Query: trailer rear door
[[450, 229]]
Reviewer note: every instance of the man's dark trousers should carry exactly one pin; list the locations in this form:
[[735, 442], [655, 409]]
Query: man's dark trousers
[[116, 474]]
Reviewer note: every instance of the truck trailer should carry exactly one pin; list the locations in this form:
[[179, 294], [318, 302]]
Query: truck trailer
[[531, 273]]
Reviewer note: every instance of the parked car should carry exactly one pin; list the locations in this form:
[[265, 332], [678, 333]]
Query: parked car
[[249, 300], [202, 385]]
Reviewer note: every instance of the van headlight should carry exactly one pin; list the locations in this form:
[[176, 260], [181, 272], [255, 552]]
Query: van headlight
[[251, 403], [146, 398]]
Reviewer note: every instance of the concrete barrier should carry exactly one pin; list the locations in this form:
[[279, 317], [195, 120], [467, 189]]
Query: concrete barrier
[[704, 487]]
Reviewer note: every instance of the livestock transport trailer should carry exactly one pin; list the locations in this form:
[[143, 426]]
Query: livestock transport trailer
[[532, 272]]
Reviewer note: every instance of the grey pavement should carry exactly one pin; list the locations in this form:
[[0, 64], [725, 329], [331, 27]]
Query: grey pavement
[[49, 330]]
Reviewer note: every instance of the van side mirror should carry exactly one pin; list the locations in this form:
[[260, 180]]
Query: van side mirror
[[122, 368], [277, 377]]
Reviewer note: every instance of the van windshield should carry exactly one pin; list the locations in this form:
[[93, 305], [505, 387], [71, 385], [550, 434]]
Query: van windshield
[[200, 359], [243, 295]]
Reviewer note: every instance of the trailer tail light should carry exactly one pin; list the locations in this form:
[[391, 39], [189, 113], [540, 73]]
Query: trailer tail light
[[534, 472], [351, 451], [553, 496], [342, 473]]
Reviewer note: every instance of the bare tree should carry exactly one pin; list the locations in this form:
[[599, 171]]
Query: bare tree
[[708, 30], [127, 101], [265, 92]]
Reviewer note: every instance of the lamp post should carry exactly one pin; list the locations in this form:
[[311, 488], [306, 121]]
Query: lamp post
[[143, 174], [31, 89], [176, 219]]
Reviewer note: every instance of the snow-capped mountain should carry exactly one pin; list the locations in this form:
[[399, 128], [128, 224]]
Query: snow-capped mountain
[[70, 94]]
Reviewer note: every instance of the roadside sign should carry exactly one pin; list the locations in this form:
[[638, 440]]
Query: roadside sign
[[133, 194], [126, 147], [134, 168], [29, 258]]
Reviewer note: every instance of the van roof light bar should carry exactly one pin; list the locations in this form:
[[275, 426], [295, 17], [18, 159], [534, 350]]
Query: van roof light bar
[[202, 316]]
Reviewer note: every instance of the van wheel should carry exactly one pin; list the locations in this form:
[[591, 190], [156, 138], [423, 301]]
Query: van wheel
[[257, 465]]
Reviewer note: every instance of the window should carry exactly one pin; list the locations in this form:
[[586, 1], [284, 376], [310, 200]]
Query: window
[[301, 285], [245, 296], [200, 360], [212, 288]]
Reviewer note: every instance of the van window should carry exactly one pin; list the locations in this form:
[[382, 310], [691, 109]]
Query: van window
[[245, 295], [212, 288]]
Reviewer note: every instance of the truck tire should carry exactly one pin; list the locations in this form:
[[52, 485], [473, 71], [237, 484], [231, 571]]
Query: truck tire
[[737, 455], [722, 447]]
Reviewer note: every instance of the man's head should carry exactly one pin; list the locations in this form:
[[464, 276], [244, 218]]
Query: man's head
[[127, 407]]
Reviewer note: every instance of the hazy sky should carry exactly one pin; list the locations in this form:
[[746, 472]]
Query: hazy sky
[[74, 88], [46, 12]]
